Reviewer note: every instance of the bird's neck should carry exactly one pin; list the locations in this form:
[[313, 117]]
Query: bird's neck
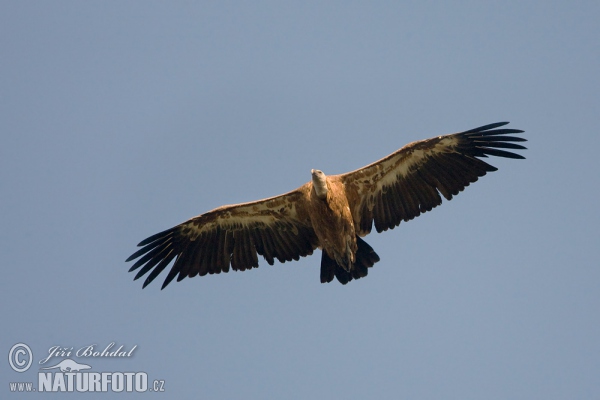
[[320, 186]]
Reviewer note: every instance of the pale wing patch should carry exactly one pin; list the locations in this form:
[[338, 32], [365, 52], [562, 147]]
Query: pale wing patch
[[237, 217], [406, 161], [382, 181]]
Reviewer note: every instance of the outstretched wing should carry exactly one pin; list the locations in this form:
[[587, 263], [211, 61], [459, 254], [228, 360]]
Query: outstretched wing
[[276, 228], [408, 182]]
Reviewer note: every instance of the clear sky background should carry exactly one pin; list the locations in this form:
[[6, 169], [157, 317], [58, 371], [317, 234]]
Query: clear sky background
[[122, 119]]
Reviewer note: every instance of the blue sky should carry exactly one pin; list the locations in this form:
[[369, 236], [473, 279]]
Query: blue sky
[[122, 119]]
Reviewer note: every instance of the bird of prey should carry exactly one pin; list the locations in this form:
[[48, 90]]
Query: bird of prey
[[331, 213]]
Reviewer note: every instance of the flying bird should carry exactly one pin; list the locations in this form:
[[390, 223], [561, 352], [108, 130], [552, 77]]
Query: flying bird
[[331, 213]]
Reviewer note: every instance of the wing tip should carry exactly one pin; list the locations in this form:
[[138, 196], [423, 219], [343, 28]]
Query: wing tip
[[487, 127], [157, 236], [487, 141]]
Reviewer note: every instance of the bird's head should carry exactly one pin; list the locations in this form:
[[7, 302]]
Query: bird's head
[[319, 181]]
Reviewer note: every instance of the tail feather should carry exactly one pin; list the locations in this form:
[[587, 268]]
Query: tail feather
[[328, 267], [365, 259]]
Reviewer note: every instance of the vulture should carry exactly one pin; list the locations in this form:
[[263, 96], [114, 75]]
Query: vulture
[[332, 213]]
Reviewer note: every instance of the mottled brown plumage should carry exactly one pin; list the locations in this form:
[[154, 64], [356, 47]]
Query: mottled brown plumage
[[329, 212]]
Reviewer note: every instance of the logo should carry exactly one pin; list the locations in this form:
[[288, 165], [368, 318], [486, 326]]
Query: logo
[[70, 375], [69, 365]]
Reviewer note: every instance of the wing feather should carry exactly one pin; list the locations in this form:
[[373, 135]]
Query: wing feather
[[409, 181], [230, 237], [159, 268]]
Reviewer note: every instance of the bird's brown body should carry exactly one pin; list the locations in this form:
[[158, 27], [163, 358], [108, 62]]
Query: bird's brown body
[[333, 224]]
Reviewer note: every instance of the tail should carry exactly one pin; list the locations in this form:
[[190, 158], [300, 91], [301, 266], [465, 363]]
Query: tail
[[365, 258]]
